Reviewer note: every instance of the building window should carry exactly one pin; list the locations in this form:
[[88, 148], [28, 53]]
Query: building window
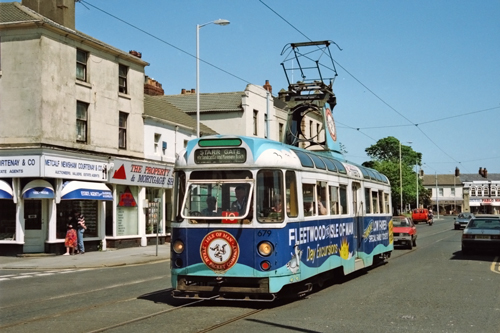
[[266, 126], [473, 192], [255, 115], [122, 128], [440, 189], [311, 128], [122, 79], [280, 131], [81, 121], [81, 65], [453, 192], [157, 143]]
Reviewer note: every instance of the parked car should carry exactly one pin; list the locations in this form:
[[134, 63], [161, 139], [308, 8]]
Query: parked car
[[404, 231], [421, 215], [462, 220], [481, 233]]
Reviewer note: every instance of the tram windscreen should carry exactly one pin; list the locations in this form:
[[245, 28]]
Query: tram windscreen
[[217, 199]]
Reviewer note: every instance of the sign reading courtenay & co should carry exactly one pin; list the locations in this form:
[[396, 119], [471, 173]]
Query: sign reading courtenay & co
[[19, 166], [141, 174]]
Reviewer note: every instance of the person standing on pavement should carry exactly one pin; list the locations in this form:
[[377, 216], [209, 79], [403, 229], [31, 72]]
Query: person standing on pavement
[[81, 227], [70, 240]]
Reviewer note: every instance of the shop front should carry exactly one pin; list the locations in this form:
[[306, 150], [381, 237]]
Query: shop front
[[142, 194], [37, 194]]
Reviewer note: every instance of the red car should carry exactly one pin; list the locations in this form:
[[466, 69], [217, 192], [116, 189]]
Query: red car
[[404, 231]]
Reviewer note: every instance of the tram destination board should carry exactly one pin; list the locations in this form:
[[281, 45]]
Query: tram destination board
[[220, 156]]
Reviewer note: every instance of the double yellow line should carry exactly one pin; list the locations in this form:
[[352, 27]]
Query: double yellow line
[[495, 266]]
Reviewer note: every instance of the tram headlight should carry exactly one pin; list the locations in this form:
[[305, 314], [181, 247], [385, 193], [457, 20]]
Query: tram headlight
[[178, 246], [265, 248]]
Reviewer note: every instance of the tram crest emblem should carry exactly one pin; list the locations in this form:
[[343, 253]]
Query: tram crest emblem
[[219, 250]]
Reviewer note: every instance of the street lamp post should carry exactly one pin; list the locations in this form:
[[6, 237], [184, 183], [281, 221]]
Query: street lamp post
[[401, 177], [198, 26], [418, 206]]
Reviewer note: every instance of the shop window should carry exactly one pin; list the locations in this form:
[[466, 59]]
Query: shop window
[[81, 121], [81, 65], [154, 211], [122, 130], [122, 79], [65, 214], [7, 220], [126, 211]]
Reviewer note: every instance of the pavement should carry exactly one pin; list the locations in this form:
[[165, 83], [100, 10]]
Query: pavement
[[93, 259]]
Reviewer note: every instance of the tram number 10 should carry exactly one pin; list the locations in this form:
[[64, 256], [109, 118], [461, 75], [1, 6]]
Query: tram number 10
[[262, 233]]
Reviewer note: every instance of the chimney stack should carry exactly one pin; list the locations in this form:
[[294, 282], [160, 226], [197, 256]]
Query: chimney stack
[[59, 11], [481, 171], [152, 87], [457, 172], [485, 173], [135, 53], [268, 87]]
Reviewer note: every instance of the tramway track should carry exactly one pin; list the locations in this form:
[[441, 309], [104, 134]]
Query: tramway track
[[73, 311]]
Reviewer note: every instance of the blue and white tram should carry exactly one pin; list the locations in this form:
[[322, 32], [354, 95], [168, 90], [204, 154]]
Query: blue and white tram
[[256, 217]]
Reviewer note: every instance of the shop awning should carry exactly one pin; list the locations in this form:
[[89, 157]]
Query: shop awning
[[38, 189], [76, 190], [5, 190]]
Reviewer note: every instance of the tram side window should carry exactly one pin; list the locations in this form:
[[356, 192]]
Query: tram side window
[[380, 202], [181, 185], [375, 209], [334, 200], [292, 207], [368, 209], [308, 197], [270, 205], [387, 202], [344, 209], [322, 198]]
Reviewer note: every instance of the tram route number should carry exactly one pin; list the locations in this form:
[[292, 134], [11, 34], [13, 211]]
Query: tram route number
[[262, 233]]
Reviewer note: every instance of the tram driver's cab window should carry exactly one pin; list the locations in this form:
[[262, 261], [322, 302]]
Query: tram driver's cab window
[[218, 197], [271, 206]]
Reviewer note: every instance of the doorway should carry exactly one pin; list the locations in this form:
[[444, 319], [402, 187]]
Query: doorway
[[34, 226]]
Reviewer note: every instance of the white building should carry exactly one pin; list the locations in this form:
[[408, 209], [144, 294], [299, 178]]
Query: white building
[[72, 133]]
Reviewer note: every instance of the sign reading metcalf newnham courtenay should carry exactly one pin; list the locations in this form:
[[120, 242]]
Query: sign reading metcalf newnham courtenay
[[71, 168], [141, 174]]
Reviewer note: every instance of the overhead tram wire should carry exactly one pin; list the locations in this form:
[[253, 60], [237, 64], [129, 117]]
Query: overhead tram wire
[[83, 2], [362, 84]]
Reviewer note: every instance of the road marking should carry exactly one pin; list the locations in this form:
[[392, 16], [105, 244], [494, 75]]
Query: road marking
[[495, 266], [38, 273]]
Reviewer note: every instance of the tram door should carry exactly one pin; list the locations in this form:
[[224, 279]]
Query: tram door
[[34, 236], [357, 206]]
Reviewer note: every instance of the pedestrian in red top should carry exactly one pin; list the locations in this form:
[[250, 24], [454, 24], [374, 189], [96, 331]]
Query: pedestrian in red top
[[70, 241]]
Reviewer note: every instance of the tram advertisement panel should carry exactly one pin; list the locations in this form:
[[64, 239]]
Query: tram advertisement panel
[[307, 247]]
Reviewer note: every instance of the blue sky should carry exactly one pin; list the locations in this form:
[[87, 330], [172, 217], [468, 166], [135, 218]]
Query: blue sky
[[429, 63]]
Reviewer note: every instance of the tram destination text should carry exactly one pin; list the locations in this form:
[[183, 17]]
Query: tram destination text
[[220, 156]]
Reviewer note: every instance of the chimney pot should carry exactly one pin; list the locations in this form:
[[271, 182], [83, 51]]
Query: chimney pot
[[135, 53], [485, 173], [268, 87], [183, 91], [193, 91]]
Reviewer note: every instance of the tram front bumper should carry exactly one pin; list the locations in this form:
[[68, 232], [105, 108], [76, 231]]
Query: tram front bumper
[[225, 287]]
